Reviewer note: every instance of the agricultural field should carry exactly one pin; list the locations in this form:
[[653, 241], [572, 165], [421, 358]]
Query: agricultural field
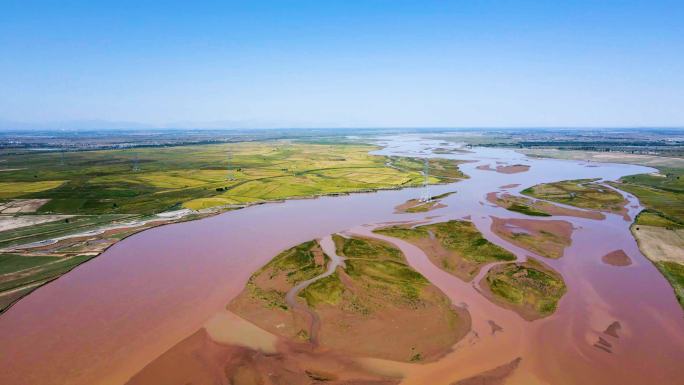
[[57, 228], [151, 180], [530, 289], [456, 247], [22, 188], [661, 193]]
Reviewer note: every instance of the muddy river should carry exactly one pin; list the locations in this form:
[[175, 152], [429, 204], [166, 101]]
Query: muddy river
[[105, 320]]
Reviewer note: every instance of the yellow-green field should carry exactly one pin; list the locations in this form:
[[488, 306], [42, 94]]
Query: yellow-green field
[[17, 189], [149, 180]]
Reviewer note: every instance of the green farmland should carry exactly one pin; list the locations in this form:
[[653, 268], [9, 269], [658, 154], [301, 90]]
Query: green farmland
[[150, 180]]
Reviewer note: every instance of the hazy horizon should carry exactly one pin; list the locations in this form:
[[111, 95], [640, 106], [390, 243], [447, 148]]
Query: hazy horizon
[[95, 125]]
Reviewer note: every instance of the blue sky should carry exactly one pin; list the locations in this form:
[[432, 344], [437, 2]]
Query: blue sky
[[344, 63]]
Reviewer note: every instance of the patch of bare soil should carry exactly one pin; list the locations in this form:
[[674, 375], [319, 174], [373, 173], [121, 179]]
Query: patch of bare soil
[[616, 258], [23, 206], [444, 150], [512, 169], [602, 344], [505, 169], [418, 206], [496, 376], [659, 243], [512, 185], [547, 238], [10, 222], [494, 326], [200, 360], [613, 329]]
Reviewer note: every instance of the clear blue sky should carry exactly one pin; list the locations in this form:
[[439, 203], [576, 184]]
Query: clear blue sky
[[344, 63]]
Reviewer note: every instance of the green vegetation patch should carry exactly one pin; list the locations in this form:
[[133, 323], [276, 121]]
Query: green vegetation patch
[[326, 290], [674, 273], [528, 286], [443, 195], [527, 210], [649, 217], [421, 207], [521, 205], [366, 248], [662, 195], [380, 267], [298, 263], [10, 263], [21, 188], [583, 193], [389, 277], [460, 236], [270, 297]]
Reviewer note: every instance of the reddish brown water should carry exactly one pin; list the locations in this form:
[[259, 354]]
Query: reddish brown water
[[107, 319]]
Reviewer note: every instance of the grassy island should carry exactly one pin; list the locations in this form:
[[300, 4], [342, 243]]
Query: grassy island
[[375, 288], [583, 193], [456, 247], [547, 238], [537, 208], [418, 206], [530, 289]]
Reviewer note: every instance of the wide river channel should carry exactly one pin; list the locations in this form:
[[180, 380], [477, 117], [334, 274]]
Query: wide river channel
[[108, 318]]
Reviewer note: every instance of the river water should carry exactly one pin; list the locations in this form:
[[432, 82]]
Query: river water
[[105, 320]]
